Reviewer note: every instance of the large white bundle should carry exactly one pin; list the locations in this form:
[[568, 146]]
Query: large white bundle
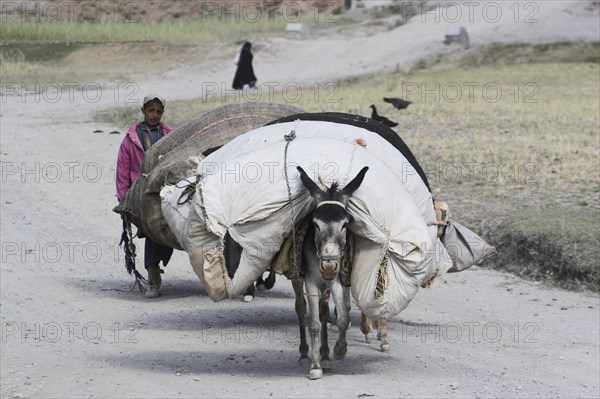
[[243, 190]]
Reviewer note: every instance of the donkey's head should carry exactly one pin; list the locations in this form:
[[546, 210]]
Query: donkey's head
[[330, 220]]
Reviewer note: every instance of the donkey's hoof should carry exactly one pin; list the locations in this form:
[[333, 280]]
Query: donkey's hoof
[[315, 374], [385, 347], [261, 287], [339, 352], [304, 362], [248, 298], [368, 338], [326, 364], [270, 281]]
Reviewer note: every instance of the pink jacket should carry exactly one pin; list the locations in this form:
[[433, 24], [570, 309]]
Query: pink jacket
[[130, 158]]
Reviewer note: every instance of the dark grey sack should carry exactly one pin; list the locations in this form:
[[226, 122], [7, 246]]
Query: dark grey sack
[[464, 247]]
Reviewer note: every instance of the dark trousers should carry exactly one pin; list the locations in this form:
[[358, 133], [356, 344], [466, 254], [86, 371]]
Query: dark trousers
[[155, 252]]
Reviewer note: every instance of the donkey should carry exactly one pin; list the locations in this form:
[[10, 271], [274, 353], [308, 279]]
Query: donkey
[[322, 257]]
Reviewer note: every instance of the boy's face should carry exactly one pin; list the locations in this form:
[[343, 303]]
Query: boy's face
[[152, 114]]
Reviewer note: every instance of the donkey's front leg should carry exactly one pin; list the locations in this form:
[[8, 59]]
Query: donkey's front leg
[[323, 318], [312, 293], [301, 313], [343, 319]]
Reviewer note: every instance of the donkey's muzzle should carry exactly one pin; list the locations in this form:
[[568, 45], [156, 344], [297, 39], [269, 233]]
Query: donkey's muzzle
[[329, 269]]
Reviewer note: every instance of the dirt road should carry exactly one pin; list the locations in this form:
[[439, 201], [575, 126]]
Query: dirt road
[[71, 329]]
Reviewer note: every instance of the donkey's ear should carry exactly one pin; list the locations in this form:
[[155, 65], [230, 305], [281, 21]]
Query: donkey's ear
[[314, 190], [354, 184]]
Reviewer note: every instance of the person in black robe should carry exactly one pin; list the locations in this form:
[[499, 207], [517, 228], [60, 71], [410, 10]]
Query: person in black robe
[[244, 75]]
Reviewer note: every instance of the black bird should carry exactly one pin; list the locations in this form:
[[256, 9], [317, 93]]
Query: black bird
[[375, 116], [398, 103]]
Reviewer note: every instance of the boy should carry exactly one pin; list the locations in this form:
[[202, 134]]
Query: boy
[[140, 137]]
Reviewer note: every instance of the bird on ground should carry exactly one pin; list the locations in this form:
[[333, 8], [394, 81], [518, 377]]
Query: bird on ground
[[375, 116], [398, 103]]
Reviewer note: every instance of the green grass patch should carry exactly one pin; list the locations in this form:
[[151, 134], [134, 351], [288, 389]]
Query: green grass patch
[[36, 52], [180, 31], [558, 252], [522, 53]]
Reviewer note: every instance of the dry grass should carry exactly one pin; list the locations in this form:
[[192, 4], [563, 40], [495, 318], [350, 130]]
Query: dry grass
[[525, 174], [80, 63]]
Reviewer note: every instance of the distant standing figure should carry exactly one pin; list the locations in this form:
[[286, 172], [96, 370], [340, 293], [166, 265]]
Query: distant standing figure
[[244, 75]]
